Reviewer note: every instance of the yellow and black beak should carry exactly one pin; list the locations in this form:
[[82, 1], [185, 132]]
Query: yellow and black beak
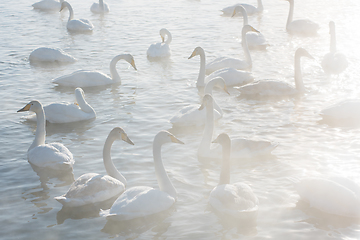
[[133, 64], [126, 139], [175, 140], [26, 108]]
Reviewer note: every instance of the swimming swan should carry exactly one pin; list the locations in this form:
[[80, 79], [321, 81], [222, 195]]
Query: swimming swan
[[53, 155], [93, 188], [336, 195], [76, 25], [250, 9], [346, 111], [255, 40], [274, 88], [87, 78], [50, 55], [191, 115], [231, 76], [333, 62], [303, 27], [68, 112], [100, 7], [242, 148], [231, 199], [143, 201], [224, 62], [161, 49], [48, 5]]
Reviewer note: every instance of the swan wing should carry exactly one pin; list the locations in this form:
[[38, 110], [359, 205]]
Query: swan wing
[[271, 88], [158, 50], [225, 62], [232, 76], [192, 116], [47, 5], [304, 27], [334, 63], [65, 112], [80, 25], [347, 109], [84, 78], [45, 54], [95, 8]]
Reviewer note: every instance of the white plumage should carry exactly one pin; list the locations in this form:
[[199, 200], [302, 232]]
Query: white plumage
[[48, 5], [50, 55], [100, 7], [250, 9], [76, 25], [161, 49]]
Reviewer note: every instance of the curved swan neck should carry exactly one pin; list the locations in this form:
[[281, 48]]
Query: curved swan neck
[[225, 168], [244, 14], [208, 130], [113, 72], [40, 129], [71, 11], [298, 77], [169, 38], [164, 182], [245, 47], [291, 12], [108, 163], [201, 78], [332, 39], [85, 107]]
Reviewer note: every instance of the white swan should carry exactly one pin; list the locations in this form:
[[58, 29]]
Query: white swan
[[93, 188], [224, 62], [336, 195], [274, 88], [143, 201], [87, 78], [242, 148], [161, 49], [346, 111], [255, 40], [191, 115], [100, 7], [68, 112], [231, 76], [53, 155], [47, 5], [334, 62], [304, 27], [76, 25], [231, 199], [50, 55], [250, 9]]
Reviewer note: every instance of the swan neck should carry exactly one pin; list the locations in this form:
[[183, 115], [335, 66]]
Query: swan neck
[[163, 179], [108, 163], [84, 106], [225, 168], [260, 7], [40, 129], [208, 130], [298, 77], [246, 48], [113, 72], [291, 12], [201, 78], [71, 11], [332, 41], [101, 5], [169, 38], [245, 16]]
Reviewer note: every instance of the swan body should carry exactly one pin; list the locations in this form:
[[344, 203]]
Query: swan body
[[334, 62], [250, 9], [231, 199], [143, 201], [223, 62], [337, 196], [303, 27], [161, 49], [50, 55], [344, 111], [54, 155], [47, 5], [68, 112], [241, 148], [87, 78], [191, 115], [231, 76], [76, 25], [274, 88], [100, 7], [255, 40], [93, 188]]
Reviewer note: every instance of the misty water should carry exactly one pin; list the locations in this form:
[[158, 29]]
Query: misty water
[[147, 98]]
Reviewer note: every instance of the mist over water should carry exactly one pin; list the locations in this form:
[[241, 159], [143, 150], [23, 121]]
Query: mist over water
[[147, 98]]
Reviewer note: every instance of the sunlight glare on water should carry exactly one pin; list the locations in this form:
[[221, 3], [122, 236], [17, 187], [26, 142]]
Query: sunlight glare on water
[[146, 100]]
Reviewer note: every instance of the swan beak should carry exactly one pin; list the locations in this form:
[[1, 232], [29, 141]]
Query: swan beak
[[76, 103], [175, 140], [192, 55], [234, 13], [163, 39], [133, 64], [215, 140], [225, 89], [201, 107], [254, 30], [125, 138], [26, 108]]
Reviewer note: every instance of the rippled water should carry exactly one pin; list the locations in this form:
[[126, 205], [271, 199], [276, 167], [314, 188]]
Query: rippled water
[[149, 97]]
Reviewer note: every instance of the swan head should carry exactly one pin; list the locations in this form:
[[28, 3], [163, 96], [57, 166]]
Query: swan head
[[222, 139], [301, 52], [197, 51], [120, 134], [165, 137], [207, 99], [163, 33], [248, 28], [63, 5], [33, 106], [220, 83], [130, 59], [238, 9]]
